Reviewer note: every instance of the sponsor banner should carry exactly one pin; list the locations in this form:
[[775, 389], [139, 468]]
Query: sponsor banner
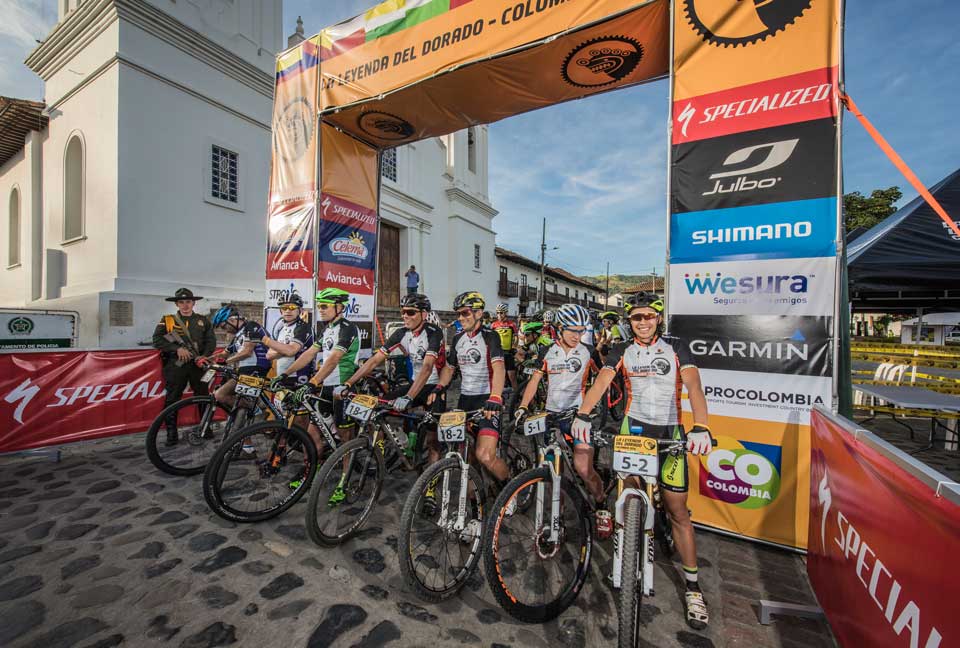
[[779, 398], [290, 241], [342, 212], [278, 289], [876, 534], [785, 163], [366, 338], [755, 481], [360, 308], [721, 44], [355, 280], [345, 246], [49, 398], [766, 287], [762, 343], [784, 100], [294, 125], [801, 229], [37, 330]]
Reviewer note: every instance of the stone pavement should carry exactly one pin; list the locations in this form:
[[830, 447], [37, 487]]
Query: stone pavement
[[103, 550]]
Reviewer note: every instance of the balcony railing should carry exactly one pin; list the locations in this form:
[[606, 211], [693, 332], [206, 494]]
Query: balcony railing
[[507, 288]]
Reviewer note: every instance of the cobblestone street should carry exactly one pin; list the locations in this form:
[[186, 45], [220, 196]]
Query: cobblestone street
[[103, 550]]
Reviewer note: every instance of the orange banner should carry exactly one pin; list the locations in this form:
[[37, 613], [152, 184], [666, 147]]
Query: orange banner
[[294, 169], [720, 44], [465, 34], [350, 168]]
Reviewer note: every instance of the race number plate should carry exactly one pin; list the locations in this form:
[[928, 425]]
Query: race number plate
[[249, 386], [278, 399], [453, 427], [536, 424], [208, 375], [635, 455], [361, 407], [528, 371]]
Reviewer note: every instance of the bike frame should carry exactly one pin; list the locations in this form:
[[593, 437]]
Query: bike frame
[[646, 558]]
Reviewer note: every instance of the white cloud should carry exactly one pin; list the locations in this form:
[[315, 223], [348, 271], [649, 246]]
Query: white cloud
[[27, 22]]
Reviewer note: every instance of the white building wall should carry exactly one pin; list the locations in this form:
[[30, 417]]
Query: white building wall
[[555, 286]]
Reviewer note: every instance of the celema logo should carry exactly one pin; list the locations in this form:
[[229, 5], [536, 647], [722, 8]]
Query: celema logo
[[776, 154]]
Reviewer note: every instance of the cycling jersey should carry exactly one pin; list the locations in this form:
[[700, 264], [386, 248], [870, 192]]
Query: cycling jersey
[[652, 377], [416, 346], [340, 334], [567, 374], [588, 336], [296, 332], [474, 354], [508, 332], [550, 331], [257, 361]]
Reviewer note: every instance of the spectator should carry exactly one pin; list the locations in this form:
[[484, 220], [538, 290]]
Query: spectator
[[413, 280]]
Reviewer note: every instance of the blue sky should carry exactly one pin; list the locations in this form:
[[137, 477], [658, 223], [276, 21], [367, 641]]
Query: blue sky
[[596, 169]]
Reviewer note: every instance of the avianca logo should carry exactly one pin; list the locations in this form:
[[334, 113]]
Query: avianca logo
[[713, 283]]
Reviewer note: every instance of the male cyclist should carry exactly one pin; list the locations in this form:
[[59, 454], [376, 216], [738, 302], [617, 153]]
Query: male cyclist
[[476, 353], [337, 347], [293, 339], [656, 368], [568, 365], [508, 331], [549, 330], [610, 333], [246, 350], [422, 343]]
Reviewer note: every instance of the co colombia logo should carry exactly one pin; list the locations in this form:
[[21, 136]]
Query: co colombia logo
[[385, 126], [20, 326], [742, 473], [601, 61], [741, 22]]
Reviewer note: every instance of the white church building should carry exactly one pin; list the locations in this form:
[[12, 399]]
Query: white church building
[[146, 166]]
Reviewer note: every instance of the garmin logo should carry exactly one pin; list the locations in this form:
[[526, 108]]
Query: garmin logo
[[752, 350], [801, 229]]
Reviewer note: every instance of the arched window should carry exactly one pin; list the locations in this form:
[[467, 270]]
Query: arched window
[[73, 190], [13, 251]]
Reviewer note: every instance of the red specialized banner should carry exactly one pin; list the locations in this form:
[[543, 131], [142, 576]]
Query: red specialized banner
[[881, 546], [61, 397]]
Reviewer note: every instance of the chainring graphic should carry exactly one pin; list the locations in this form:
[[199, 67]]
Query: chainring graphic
[[718, 21]]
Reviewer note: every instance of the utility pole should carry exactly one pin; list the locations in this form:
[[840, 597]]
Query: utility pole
[[606, 300], [543, 255], [653, 280]]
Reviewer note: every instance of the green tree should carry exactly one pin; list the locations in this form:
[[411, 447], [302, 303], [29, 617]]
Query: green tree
[[867, 211]]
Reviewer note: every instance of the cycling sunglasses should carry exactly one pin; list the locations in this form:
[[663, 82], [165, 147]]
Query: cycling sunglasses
[[289, 307], [640, 317], [408, 312]]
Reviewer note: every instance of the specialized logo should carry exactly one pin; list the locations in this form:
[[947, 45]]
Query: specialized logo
[[25, 392], [20, 326], [602, 61], [685, 116], [334, 210], [294, 130], [742, 473], [385, 126], [766, 231], [774, 154], [350, 247], [741, 22]]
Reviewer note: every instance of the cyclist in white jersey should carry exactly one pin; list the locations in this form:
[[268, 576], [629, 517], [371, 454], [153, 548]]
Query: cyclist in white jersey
[[292, 339], [246, 352], [655, 369]]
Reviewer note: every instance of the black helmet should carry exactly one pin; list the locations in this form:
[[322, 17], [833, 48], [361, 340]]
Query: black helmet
[[643, 299], [293, 298], [415, 300], [469, 299]]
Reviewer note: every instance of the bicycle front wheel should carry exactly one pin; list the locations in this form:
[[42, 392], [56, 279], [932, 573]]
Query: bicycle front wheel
[[259, 472], [438, 551], [534, 578], [631, 577], [184, 436], [344, 492]]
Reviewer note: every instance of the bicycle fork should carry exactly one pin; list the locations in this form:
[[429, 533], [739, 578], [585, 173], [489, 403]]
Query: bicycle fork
[[461, 520], [645, 564]]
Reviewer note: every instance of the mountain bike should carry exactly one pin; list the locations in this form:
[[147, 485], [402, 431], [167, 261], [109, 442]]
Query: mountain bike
[[262, 470], [613, 403], [349, 482], [442, 518], [201, 423]]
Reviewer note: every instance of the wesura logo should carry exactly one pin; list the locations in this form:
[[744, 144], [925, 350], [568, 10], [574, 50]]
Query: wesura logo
[[714, 283]]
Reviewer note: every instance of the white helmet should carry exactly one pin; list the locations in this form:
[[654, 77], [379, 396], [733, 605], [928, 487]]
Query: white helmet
[[572, 315], [548, 316]]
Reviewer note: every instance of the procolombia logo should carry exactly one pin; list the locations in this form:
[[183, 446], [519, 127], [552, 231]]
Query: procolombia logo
[[741, 22], [742, 473], [385, 126], [601, 61]]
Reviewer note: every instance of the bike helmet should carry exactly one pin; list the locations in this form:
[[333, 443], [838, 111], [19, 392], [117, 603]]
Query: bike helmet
[[501, 308], [572, 315], [643, 299], [333, 296], [470, 299], [225, 313], [415, 300], [293, 298], [532, 328], [548, 316], [610, 315]]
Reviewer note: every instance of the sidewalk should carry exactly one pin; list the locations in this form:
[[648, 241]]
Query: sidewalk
[[103, 550]]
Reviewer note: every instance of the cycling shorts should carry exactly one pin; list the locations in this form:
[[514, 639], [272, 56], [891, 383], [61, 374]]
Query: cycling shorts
[[335, 408], [485, 426], [674, 475]]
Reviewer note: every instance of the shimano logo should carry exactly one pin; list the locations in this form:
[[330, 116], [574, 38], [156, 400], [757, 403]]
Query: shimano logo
[[728, 285], [801, 229], [775, 154], [752, 350]]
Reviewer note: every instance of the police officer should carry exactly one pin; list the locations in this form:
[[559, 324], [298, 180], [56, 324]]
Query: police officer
[[184, 339]]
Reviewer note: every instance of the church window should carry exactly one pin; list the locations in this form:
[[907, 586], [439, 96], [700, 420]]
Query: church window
[[388, 164], [224, 174], [73, 190], [13, 252], [472, 149], [476, 256]]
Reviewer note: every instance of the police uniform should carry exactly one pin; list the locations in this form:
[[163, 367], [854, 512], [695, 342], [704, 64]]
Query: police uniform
[[196, 328]]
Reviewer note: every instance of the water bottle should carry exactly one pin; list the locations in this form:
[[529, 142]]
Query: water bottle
[[411, 444]]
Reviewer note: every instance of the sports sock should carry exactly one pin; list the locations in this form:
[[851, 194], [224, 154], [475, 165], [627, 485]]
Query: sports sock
[[690, 575]]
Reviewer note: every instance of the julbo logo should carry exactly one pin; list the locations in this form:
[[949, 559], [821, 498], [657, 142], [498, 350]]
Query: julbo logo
[[776, 154]]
